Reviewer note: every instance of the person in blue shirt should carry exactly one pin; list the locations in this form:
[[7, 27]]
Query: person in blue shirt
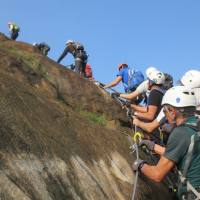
[[130, 78]]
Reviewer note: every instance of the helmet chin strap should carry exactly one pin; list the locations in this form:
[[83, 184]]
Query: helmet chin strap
[[173, 115]]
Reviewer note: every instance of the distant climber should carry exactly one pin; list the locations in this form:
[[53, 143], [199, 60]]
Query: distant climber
[[79, 54], [42, 48], [130, 78], [14, 30], [88, 72]]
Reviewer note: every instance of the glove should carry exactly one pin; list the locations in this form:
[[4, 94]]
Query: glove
[[127, 104], [101, 84], [136, 121], [137, 165], [148, 143], [115, 95]]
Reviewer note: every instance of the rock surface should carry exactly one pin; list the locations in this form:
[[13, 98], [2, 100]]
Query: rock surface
[[61, 137]]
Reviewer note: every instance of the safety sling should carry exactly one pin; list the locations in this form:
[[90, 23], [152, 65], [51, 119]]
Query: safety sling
[[189, 154]]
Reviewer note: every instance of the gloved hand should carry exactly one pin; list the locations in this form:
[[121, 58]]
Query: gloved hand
[[101, 84], [127, 104], [137, 165], [115, 94], [136, 121], [148, 143]]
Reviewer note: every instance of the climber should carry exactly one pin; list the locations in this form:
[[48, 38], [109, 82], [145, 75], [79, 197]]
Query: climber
[[190, 79], [14, 30], [130, 78], [156, 80], [142, 89], [79, 54], [42, 48], [183, 146]]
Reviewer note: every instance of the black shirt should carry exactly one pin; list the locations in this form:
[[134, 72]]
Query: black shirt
[[155, 99]]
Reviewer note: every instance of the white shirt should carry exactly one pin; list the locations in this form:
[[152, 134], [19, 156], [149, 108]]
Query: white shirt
[[143, 88], [197, 96]]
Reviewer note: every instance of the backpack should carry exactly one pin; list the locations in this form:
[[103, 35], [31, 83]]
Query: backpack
[[16, 28], [135, 77], [80, 52], [88, 71], [79, 46]]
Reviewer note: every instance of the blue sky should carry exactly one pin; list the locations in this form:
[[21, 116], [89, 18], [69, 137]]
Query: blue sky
[[164, 34]]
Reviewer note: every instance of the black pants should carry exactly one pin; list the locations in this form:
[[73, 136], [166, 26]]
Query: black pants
[[14, 34], [80, 67]]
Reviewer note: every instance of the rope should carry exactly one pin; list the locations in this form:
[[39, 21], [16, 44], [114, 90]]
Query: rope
[[133, 144], [136, 173]]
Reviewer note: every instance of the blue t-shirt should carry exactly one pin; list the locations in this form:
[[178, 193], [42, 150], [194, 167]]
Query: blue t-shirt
[[135, 81]]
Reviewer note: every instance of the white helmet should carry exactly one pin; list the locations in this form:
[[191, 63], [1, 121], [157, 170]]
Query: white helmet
[[179, 96], [35, 44], [197, 96], [191, 79], [156, 77], [69, 41], [149, 70]]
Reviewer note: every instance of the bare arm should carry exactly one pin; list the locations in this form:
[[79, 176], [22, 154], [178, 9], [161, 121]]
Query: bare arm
[[130, 96], [149, 115], [65, 52], [113, 83], [139, 108], [159, 149], [158, 172], [149, 127]]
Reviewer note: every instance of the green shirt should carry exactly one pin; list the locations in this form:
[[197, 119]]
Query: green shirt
[[13, 27], [177, 147]]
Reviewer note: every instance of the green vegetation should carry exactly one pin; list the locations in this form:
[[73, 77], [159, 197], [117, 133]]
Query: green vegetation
[[29, 59], [93, 117]]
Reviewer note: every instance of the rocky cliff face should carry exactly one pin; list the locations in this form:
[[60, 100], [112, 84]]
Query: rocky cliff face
[[61, 137]]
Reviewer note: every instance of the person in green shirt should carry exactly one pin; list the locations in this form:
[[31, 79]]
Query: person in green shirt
[[14, 30], [179, 107]]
